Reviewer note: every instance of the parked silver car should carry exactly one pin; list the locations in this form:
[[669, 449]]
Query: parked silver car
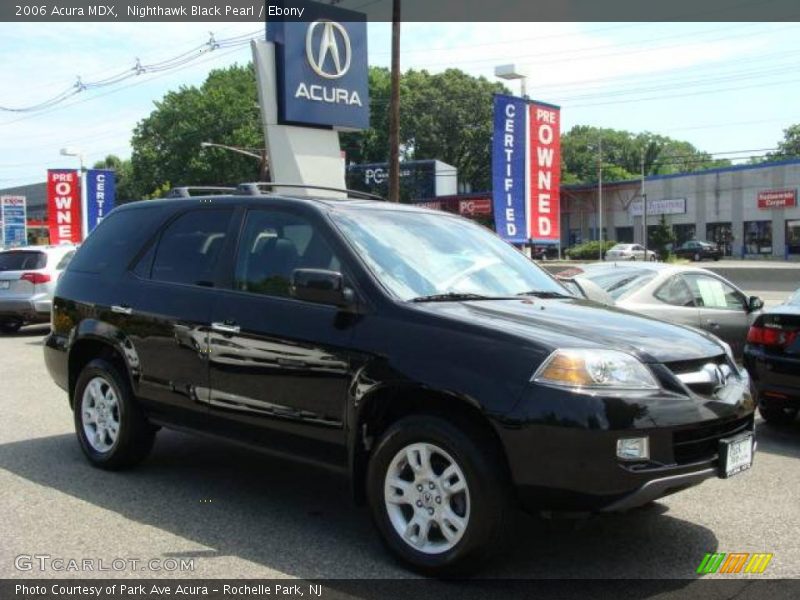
[[28, 277], [681, 294], [629, 252]]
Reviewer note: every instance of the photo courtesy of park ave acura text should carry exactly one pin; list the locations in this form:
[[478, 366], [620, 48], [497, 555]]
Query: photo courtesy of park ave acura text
[[398, 299]]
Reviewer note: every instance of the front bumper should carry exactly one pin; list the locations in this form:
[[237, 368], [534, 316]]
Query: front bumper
[[561, 446]]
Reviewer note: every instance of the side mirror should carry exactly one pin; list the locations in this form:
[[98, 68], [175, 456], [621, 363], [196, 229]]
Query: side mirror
[[754, 303], [322, 287]]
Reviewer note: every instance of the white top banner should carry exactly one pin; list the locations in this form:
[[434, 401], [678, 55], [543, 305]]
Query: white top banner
[[665, 206]]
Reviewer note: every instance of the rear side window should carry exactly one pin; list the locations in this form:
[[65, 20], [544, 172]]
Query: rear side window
[[116, 240], [189, 247], [22, 261], [675, 292]]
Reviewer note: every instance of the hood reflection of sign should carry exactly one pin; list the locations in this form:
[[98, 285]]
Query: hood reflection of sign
[[328, 46]]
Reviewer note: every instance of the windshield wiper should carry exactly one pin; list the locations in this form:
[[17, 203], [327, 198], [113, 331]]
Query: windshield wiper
[[545, 294], [450, 297]]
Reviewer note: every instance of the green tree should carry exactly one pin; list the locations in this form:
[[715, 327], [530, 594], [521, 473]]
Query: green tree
[[661, 237], [789, 146], [123, 175], [166, 144], [622, 155], [445, 116]]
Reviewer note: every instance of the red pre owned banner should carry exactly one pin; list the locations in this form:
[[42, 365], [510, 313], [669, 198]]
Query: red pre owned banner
[[63, 206], [544, 156]]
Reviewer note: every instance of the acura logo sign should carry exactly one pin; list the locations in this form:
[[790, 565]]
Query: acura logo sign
[[717, 374], [331, 57]]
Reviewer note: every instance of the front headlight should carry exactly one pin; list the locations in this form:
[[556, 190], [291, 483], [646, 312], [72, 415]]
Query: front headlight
[[584, 369]]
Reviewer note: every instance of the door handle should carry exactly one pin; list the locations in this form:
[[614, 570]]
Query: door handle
[[121, 309], [712, 324], [226, 327]]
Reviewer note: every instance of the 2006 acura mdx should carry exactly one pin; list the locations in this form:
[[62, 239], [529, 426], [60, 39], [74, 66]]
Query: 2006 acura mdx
[[445, 373]]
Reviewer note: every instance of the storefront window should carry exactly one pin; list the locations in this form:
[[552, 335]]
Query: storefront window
[[624, 235], [575, 237], [758, 237], [793, 237], [720, 234], [684, 233]]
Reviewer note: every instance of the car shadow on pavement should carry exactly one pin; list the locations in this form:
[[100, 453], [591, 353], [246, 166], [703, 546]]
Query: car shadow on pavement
[[301, 521], [40, 330], [783, 440]]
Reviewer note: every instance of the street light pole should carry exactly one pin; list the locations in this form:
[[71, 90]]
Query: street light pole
[[69, 151], [394, 108], [600, 195], [263, 169], [644, 210]]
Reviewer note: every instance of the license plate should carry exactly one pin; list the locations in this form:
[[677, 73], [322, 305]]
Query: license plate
[[735, 455], [4, 285]]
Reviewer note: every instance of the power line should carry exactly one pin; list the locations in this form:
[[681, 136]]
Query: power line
[[170, 64]]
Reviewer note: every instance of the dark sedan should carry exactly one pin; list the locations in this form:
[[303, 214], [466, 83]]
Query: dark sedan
[[697, 251], [772, 356]]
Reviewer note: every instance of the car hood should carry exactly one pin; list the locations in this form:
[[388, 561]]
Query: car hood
[[572, 322]]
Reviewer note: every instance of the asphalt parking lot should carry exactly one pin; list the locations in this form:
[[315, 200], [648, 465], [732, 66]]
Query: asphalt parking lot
[[240, 514]]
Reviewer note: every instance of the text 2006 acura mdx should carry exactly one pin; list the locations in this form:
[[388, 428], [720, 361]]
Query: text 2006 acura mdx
[[446, 374]]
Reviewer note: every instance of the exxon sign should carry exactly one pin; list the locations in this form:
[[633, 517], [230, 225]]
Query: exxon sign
[[321, 68]]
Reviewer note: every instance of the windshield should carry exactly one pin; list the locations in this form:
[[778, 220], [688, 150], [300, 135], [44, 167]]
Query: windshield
[[20, 261], [419, 254], [619, 282]]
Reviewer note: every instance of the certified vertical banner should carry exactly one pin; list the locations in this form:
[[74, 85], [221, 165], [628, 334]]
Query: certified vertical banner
[[63, 205], [13, 216], [545, 172], [100, 192], [509, 168]]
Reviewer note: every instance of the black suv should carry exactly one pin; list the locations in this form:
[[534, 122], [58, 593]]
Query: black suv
[[446, 374]]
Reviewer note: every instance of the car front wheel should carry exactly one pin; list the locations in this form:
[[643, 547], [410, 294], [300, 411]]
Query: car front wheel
[[10, 326], [111, 428], [437, 496], [777, 415]]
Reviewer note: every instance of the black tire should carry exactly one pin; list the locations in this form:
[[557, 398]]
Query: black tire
[[696, 257], [135, 435], [10, 326], [775, 415], [489, 498]]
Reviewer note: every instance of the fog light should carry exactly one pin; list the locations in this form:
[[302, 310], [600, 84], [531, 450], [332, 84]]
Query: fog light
[[633, 448]]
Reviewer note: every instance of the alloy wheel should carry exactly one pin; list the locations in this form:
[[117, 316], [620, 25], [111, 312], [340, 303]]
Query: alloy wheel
[[427, 498], [100, 415]]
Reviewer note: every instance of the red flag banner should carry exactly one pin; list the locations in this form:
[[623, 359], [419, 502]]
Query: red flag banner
[[544, 156], [64, 206]]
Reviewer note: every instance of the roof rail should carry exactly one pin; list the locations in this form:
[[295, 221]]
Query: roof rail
[[185, 191], [254, 189]]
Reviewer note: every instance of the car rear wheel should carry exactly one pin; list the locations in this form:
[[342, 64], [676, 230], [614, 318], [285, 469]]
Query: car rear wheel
[[111, 428], [777, 415], [437, 496], [11, 326]]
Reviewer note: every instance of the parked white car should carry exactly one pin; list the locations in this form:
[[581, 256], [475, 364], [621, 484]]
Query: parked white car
[[629, 252], [28, 277]]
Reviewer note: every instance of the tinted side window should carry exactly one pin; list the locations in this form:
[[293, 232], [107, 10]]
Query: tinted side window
[[189, 247], [273, 245], [675, 291], [116, 240], [710, 292]]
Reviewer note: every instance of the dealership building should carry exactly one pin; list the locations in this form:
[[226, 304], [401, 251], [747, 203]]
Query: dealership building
[[748, 210]]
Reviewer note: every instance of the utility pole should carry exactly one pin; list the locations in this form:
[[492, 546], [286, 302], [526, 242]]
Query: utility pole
[[394, 108], [644, 209], [600, 195]]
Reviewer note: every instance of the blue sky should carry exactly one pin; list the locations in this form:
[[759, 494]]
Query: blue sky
[[722, 86]]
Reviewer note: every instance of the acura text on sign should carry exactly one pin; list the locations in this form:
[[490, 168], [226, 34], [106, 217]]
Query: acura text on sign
[[545, 172], [63, 206], [777, 199]]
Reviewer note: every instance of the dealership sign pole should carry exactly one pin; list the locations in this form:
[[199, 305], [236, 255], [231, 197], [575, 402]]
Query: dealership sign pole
[[526, 170], [64, 206]]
